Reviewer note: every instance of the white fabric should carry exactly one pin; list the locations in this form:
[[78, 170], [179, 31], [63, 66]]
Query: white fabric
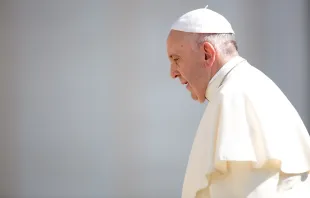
[[247, 118], [202, 20], [242, 181]]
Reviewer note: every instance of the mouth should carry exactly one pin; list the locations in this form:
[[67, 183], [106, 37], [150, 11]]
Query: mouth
[[186, 84]]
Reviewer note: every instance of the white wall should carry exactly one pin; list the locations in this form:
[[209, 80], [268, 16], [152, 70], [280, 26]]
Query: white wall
[[87, 106]]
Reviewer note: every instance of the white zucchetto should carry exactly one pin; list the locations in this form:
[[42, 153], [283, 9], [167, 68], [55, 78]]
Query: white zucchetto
[[202, 20]]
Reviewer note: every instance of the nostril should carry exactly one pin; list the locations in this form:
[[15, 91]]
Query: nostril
[[174, 73], [174, 76]]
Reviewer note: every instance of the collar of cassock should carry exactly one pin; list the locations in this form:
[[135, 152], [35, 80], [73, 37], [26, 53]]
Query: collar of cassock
[[220, 76]]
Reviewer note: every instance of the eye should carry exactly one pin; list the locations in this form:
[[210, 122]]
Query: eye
[[174, 59]]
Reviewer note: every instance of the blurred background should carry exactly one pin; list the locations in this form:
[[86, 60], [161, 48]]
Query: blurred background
[[87, 107]]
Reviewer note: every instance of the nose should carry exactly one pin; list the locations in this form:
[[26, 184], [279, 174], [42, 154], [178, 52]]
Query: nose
[[174, 73]]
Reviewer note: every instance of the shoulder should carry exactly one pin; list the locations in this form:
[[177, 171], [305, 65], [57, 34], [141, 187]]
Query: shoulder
[[246, 81]]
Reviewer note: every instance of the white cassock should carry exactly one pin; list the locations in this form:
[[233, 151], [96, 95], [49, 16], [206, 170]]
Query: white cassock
[[251, 142]]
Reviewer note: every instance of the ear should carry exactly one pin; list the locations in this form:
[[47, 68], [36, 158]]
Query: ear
[[210, 53]]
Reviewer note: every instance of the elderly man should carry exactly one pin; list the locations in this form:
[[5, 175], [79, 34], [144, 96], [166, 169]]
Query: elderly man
[[251, 142]]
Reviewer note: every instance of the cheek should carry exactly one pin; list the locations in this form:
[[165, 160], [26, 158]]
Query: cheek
[[190, 70], [183, 69], [195, 72], [186, 67]]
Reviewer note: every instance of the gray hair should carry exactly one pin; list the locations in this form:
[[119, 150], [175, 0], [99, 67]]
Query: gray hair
[[225, 43]]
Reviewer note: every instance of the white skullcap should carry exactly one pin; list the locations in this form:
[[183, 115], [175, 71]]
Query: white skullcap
[[203, 20]]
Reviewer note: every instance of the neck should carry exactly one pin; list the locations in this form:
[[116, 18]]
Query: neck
[[222, 61]]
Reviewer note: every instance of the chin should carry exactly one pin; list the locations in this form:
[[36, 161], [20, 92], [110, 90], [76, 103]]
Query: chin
[[201, 101], [197, 98]]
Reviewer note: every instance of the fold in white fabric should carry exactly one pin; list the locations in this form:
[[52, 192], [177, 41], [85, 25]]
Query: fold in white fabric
[[242, 181]]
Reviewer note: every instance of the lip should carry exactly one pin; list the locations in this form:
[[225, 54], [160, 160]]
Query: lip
[[185, 83]]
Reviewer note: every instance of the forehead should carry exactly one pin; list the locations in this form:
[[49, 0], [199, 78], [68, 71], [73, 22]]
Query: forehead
[[179, 43], [176, 38]]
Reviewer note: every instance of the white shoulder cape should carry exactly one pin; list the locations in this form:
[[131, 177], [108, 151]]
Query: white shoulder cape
[[248, 118]]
